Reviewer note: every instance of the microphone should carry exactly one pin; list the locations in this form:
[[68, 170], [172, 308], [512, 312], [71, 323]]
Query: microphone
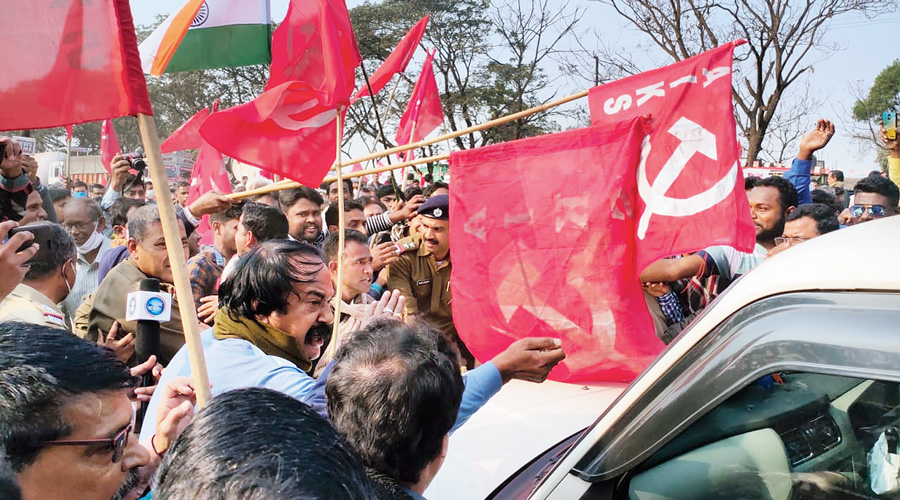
[[148, 307]]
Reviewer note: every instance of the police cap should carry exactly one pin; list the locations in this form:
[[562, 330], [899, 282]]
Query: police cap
[[437, 207]]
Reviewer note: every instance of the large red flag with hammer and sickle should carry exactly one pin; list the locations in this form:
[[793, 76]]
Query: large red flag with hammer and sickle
[[547, 250], [689, 179]]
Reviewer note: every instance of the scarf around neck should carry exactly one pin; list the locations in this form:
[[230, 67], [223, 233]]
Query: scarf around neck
[[269, 340]]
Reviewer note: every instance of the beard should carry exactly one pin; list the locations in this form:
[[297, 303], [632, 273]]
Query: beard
[[771, 233], [126, 490]]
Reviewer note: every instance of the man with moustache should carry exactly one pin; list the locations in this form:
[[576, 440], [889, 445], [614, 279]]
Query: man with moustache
[[66, 416], [422, 273]]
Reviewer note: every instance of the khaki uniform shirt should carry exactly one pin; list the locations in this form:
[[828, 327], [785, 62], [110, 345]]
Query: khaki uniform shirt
[[426, 285], [31, 306]]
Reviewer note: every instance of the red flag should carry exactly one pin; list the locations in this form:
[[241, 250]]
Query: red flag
[[538, 252], [316, 45], [286, 130], [397, 61], [187, 136], [208, 174], [424, 112], [68, 133], [109, 145], [76, 62], [690, 163]]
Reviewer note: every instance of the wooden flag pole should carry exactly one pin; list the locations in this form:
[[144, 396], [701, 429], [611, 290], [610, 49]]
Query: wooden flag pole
[[446, 137], [339, 286], [177, 261], [412, 136], [279, 186]]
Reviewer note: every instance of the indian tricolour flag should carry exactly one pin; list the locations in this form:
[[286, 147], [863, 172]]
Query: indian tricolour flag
[[222, 34]]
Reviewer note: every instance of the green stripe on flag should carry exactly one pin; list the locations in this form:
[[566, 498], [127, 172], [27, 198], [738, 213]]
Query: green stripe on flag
[[223, 47]]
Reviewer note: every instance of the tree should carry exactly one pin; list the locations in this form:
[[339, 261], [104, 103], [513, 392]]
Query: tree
[[491, 60], [884, 95], [783, 37]]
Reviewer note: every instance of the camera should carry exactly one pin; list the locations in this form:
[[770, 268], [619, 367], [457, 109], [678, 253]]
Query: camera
[[889, 122], [137, 160]]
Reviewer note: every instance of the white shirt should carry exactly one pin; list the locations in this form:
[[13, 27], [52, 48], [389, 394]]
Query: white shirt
[[87, 277]]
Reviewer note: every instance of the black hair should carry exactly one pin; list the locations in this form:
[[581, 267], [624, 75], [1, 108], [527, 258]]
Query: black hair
[[837, 175], [787, 193], [347, 182], [826, 219], [9, 490], [434, 187], [289, 197], [118, 212], [97, 185], [387, 190], [394, 393], [371, 200], [330, 247], [132, 181], [41, 368], [264, 221], [232, 213], [750, 182], [874, 173], [57, 194], [411, 191], [58, 248], [824, 197], [879, 185], [181, 184], [263, 279], [429, 178], [331, 215], [259, 444], [78, 184]]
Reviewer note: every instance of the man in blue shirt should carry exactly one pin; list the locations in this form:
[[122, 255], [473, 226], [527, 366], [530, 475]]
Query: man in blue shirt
[[276, 313]]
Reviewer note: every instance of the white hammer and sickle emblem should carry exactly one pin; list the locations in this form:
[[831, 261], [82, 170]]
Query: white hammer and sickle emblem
[[694, 139], [283, 114]]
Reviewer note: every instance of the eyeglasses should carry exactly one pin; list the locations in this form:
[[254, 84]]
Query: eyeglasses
[[874, 210], [781, 240], [116, 444], [83, 227]]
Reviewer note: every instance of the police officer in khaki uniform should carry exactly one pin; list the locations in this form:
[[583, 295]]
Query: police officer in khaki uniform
[[422, 273], [48, 281]]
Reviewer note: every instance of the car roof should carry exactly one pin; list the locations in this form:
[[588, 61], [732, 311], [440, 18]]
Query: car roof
[[861, 257]]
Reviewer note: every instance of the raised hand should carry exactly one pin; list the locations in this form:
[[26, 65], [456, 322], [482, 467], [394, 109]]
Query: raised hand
[[816, 140]]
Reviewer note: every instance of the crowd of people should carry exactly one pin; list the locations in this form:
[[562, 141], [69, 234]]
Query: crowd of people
[[296, 412]]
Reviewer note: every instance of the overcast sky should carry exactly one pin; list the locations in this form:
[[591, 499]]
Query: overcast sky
[[865, 52]]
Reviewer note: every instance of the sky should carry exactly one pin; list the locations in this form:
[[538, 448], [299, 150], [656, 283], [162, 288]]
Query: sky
[[862, 55]]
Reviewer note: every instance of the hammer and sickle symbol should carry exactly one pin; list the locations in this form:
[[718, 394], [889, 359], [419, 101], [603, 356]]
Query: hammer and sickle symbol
[[694, 139], [283, 114]]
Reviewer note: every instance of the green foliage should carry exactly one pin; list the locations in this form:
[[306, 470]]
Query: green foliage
[[883, 96]]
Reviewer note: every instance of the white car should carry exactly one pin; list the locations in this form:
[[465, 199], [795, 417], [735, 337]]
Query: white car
[[786, 387]]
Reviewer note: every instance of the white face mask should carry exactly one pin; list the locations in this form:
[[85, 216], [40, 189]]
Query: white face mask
[[74, 271], [92, 243]]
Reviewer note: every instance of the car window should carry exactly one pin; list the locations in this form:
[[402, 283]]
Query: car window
[[846, 334], [785, 436]]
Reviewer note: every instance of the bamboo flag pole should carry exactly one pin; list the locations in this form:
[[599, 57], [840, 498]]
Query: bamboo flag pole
[[412, 136], [174, 247], [271, 188], [339, 286], [426, 142]]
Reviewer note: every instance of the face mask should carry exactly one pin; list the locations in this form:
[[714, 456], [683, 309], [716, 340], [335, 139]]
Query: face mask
[[74, 271], [92, 243], [79, 195]]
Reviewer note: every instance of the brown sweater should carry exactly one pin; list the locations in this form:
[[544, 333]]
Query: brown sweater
[[110, 302]]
